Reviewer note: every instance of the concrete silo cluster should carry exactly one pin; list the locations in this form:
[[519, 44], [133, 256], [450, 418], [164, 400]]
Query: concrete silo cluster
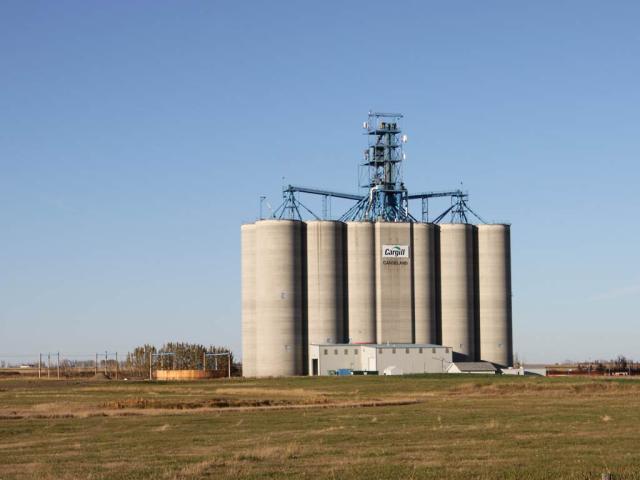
[[375, 276]]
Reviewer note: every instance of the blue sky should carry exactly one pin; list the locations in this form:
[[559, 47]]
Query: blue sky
[[136, 137]]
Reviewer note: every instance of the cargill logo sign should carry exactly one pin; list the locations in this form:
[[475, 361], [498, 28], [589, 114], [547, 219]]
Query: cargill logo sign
[[395, 251]]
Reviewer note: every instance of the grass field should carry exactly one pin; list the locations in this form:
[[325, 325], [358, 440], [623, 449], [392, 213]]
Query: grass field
[[343, 428]]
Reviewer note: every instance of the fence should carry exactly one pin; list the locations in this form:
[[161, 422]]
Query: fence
[[134, 365]]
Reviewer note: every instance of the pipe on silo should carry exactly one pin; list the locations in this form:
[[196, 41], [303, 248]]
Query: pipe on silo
[[325, 281], [361, 282], [424, 282], [457, 288], [248, 260], [494, 291], [279, 298], [394, 289]]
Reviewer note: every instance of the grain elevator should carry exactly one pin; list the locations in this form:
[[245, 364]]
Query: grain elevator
[[377, 275]]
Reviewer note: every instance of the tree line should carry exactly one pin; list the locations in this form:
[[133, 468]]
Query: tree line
[[180, 356]]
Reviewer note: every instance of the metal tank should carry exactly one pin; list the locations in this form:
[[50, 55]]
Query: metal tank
[[494, 291], [279, 298], [325, 282], [457, 288], [361, 282], [424, 282], [248, 254], [394, 289]]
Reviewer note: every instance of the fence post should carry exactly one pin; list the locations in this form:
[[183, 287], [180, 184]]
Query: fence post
[[229, 363], [39, 365], [116, 365], [48, 365], [58, 366], [204, 361], [105, 363], [95, 366], [150, 368]]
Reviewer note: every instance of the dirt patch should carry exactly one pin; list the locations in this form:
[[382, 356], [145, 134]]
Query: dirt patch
[[297, 393], [133, 408], [146, 403]]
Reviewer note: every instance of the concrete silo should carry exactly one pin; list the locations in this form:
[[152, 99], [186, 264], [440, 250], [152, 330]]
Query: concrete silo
[[424, 282], [248, 245], [325, 282], [279, 298], [361, 282], [377, 275], [494, 291], [457, 288], [394, 290]]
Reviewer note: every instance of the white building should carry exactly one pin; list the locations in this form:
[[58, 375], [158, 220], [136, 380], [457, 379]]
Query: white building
[[534, 370], [472, 367], [383, 359]]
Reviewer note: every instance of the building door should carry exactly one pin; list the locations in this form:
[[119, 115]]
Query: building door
[[372, 364], [314, 367]]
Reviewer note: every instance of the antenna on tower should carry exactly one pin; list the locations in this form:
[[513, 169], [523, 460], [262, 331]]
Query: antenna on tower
[[386, 199]]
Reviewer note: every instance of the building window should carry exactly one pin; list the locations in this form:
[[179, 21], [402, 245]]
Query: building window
[[406, 350], [446, 350], [419, 350], [326, 351], [393, 350], [355, 351], [346, 351], [433, 350], [335, 352], [380, 351]]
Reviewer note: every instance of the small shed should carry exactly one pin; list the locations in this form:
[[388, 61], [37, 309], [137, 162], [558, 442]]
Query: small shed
[[533, 370], [472, 367]]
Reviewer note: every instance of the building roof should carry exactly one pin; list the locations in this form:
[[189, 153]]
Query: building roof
[[405, 345], [475, 366], [382, 345]]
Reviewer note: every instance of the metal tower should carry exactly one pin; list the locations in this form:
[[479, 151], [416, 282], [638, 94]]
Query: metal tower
[[386, 198]]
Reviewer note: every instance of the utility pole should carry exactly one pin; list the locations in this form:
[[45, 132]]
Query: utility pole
[[48, 365], [116, 365], [150, 370], [229, 364], [204, 361], [58, 366], [95, 366], [105, 363], [39, 365]]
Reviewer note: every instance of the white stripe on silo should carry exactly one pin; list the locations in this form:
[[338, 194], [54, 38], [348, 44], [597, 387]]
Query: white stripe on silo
[[394, 315], [325, 282], [424, 282], [279, 294], [494, 288], [457, 288], [248, 253], [361, 282]]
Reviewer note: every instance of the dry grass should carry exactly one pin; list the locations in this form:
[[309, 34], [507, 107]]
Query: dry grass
[[419, 427]]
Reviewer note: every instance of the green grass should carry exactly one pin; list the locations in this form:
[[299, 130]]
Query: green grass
[[420, 427]]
